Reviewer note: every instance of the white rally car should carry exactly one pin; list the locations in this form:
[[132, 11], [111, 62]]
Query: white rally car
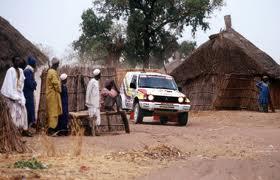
[[148, 94]]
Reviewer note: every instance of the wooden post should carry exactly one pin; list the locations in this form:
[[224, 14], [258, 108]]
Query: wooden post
[[227, 19]]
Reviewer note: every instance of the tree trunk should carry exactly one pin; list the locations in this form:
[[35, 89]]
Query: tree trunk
[[114, 53], [112, 59], [147, 50], [109, 61]]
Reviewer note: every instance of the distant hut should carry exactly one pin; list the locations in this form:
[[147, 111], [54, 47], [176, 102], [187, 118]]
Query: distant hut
[[222, 73], [169, 67], [13, 43]]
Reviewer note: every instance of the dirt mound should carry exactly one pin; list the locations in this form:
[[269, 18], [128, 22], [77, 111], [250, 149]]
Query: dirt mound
[[160, 152]]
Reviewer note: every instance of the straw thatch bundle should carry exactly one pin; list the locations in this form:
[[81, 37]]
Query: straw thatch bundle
[[10, 139], [12, 43]]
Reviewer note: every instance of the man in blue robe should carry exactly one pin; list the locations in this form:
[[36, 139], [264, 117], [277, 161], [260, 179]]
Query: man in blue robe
[[62, 126], [264, 96], [28, 90]]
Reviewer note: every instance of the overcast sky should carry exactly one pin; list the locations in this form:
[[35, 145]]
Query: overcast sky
[[56, 22]]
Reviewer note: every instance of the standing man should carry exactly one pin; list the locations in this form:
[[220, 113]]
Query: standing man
[[53, 90], [62, 126], [264, 95], [93, 99], [29, 88], [12, 90]]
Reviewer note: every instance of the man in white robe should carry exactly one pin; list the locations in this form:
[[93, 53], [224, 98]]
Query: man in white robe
[[12, 90], [93, 98]]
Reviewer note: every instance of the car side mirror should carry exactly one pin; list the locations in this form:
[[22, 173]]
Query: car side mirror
[[180, 89], [132, 85]]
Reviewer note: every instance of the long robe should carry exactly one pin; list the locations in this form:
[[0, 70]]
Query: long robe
[[53, 90], [264, 93], [63, 118], [29, 88], [93, 100], [12, 89]]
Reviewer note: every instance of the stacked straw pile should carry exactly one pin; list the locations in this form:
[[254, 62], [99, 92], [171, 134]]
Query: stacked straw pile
[[10, 139]]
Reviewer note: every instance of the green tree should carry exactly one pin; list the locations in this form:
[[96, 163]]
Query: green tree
[[101, 39], [186, 47], [149, 21]]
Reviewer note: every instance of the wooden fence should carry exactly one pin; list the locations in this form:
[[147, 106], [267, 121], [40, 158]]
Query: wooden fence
[[78, 78]]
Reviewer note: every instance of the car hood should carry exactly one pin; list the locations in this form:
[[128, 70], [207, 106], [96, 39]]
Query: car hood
[[164, 92]]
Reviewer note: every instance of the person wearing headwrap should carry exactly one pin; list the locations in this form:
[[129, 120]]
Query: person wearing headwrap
[[53, 90], [108, 96], [62, 126], [12, 90], [264, 95], [29, 88], [93, 100]]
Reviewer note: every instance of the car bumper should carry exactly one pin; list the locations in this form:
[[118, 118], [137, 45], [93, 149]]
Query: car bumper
[[164, 107]]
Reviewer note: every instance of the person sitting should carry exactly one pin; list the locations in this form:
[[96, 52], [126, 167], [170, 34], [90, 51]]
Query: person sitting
[[109, 95]]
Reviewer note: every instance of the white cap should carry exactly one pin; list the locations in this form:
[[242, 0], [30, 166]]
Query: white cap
[[55, 61], [96, 72], [63, 76]]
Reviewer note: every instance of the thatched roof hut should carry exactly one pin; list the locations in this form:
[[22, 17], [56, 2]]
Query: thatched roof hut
[[221, 73], [13, 43]]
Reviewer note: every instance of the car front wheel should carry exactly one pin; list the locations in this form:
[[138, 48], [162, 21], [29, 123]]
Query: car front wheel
[[183, 118], [138, 114], [163, 120]]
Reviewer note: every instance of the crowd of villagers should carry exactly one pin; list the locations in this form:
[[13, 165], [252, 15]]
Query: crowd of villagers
[[18, 91]]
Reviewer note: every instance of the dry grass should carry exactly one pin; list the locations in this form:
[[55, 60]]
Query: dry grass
[[160, 152], [10, 138]]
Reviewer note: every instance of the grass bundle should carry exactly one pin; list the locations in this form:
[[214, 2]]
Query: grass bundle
[[10, 138]]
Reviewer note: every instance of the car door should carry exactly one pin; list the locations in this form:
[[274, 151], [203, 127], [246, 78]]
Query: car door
[[133, 92]]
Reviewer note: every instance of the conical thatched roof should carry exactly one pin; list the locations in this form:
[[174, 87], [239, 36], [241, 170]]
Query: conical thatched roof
[[225, 53], [13, 43]]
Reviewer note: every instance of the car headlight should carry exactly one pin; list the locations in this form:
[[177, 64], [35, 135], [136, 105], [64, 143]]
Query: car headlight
[[187, 100], [180, 99], [151, 97]]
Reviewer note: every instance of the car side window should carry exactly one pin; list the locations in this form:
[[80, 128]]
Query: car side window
[[134, 80]]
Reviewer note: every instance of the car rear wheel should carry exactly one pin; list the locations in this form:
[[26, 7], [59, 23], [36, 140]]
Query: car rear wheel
[[163, 120], [138, 114], [183, 118]]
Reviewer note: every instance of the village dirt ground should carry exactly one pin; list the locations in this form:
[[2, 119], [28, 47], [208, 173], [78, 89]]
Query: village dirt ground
[[221, 145]]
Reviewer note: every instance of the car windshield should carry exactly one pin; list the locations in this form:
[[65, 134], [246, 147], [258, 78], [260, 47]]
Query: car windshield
[[158, 82]]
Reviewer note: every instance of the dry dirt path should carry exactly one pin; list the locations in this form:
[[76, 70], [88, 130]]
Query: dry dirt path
[[221, 145]]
